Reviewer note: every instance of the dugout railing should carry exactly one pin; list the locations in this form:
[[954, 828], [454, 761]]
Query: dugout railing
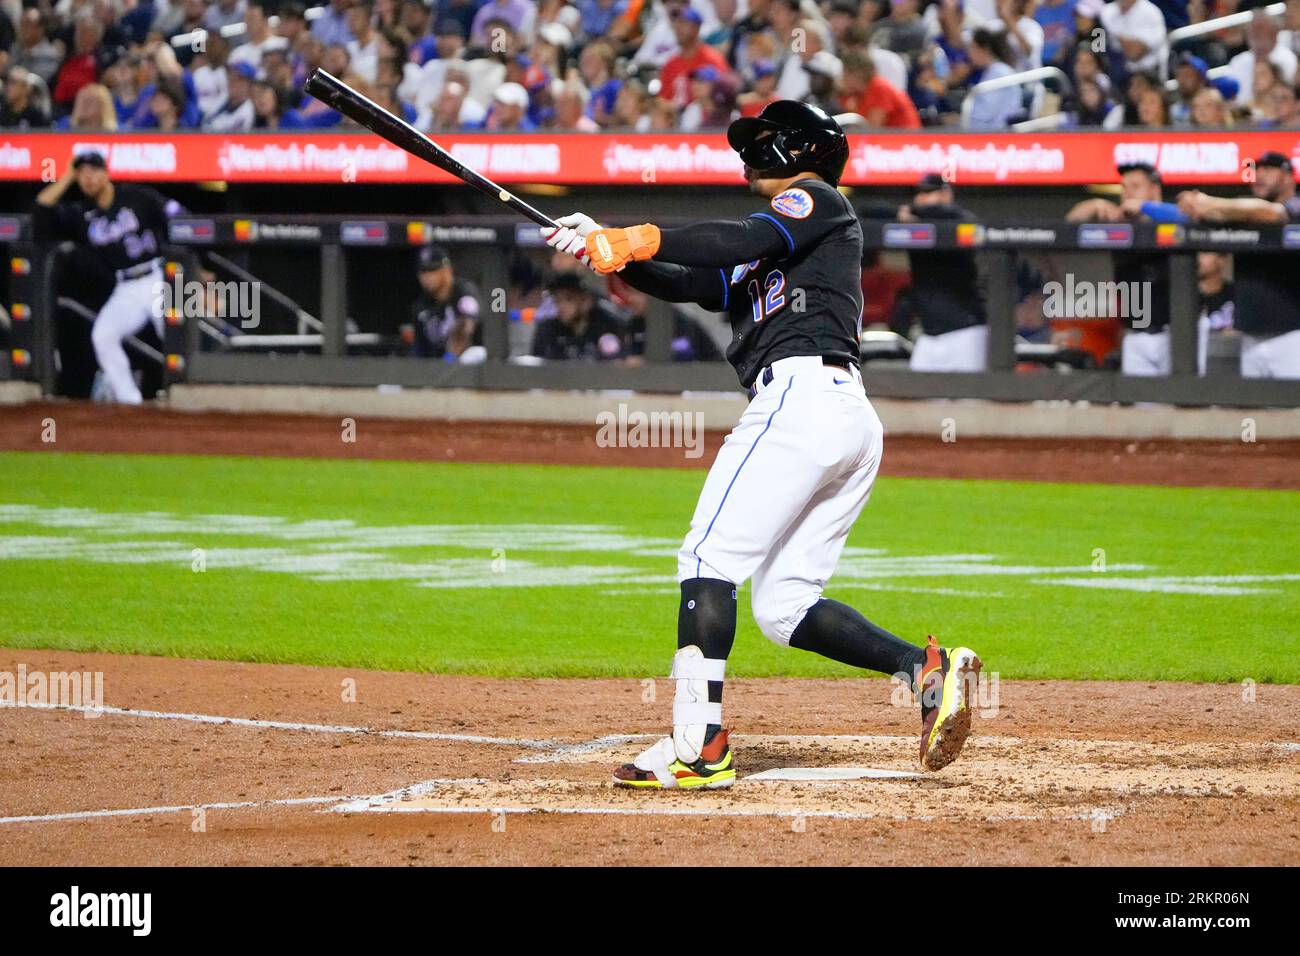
[[484, 247]]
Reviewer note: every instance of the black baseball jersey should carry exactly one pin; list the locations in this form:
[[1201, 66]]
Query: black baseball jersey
[[129, 232], [1268, 295], [435, 320], [945, 291], [602, 336], [797, 289]]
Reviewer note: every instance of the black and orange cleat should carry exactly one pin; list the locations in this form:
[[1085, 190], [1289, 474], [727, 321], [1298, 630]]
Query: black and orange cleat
[[660, 769]]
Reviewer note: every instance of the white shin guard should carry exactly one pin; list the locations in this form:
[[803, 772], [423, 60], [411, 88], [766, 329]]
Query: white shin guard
[[692, 714]]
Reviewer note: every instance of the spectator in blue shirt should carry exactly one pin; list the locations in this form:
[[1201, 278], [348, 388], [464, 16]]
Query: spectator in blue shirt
[[332, 25], [994, 109], [1057, 19], [597, 15]]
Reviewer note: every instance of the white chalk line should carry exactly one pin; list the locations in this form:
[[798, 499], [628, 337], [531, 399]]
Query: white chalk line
[[149, 811], [289, 725]]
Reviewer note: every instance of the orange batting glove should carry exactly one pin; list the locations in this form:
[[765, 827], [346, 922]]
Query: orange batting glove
[[612, 249]]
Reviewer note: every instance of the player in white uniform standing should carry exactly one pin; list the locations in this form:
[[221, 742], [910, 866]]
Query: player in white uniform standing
[[795, 472], [125, 226]]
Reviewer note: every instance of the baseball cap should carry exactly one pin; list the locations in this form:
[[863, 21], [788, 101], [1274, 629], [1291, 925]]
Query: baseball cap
[[707, 73], [91, 157], [433, 257], [1152, 173], [1195, 62], [1274, 160], [511, 94], [556, 34], [690, 15], [931, 183], [245, 70], [1227, 86], [566, 282], [447, 27], [825, 63], [762, 68]]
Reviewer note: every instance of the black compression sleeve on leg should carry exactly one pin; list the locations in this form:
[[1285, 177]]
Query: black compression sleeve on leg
[[837, 631], [707, 619]]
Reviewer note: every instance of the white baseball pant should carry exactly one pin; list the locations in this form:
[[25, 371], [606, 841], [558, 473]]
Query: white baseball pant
[[786, 487], [1147, 353], [1275, 357], [961, 350], [131, 305]]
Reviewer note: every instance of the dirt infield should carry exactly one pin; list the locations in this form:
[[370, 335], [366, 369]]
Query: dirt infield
[[215, 763], [425, 769], [85, 427]]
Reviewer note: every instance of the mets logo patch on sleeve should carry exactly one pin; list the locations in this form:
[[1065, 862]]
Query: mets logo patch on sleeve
[[794, 203]]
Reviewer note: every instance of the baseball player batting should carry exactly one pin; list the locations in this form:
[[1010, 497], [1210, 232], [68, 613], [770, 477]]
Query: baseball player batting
[[797, 469]]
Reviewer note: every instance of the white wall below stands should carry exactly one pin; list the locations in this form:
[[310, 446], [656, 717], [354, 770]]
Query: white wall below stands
[[972, 418]]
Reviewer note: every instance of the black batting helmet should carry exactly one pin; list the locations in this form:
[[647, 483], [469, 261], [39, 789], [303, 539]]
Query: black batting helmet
[[799, 138]]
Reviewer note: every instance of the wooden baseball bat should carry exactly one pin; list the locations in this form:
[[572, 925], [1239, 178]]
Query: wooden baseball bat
[[337, 95]]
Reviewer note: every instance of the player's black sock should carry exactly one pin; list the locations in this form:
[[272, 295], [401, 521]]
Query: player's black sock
[[837, 631], [707, 619]]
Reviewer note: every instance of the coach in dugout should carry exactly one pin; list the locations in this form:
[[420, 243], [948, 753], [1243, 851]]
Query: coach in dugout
[[1145, 349], [1267, 310], [445, 313], [945, 294]]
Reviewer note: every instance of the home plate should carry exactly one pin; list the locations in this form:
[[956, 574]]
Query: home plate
[[831, 773]]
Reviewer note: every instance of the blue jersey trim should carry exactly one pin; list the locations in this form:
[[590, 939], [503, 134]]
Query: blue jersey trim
[[696, 550], [776, 222], [726, 288]]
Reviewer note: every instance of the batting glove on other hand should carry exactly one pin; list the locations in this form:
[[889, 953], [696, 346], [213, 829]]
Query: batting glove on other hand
[[612, 249], [571, 237]]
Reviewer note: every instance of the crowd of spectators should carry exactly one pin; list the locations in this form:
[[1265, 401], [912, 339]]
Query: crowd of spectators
[[587, 65]]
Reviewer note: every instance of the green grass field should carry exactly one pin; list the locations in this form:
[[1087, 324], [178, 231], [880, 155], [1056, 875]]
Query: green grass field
[[560, 571]]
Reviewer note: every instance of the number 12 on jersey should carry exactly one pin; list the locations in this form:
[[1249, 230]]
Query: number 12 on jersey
[[770, 297]]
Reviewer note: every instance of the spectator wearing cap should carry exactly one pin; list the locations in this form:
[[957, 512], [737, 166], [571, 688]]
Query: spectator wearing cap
[[520, 15], [597, 16], [945, 296], [80, 66], [237, 114], [509, 110], [755, 23], [871, 96], [1262, 44], [691, 55], [763, 90], [34, 50], [223, 13], [1139, 27], [1057, 20], [445, 315], [19, 109], [660, 42], [713, 100], [690, 341], [118, 75], [1267, 307], [1191, 75], [596, 65], [449, 39], [584, 326], [257, 36], [824, 71], [363, 48], [332, 25], [1145, 349]]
